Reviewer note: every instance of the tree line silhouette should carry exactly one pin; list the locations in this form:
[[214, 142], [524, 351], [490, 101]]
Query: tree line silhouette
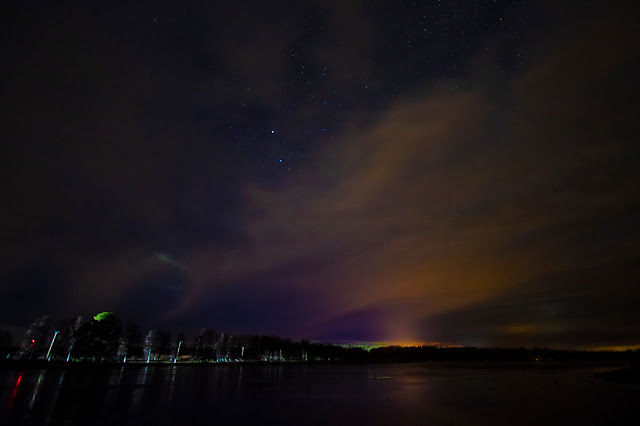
[[106, 338]]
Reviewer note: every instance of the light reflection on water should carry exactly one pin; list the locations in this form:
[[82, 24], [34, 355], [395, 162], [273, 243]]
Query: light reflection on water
[[173, 382], [296, 394], [36, 389], [54, 399], [14, 393], [141, 381]]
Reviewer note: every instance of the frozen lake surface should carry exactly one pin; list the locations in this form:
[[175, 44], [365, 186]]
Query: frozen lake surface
[[314, 394]]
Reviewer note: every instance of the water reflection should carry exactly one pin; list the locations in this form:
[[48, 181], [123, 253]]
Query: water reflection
[[141, 381], [297, 394], [14, 394], [120, 376], [54, 398], [36, 390], [114, 386], [172, 385]]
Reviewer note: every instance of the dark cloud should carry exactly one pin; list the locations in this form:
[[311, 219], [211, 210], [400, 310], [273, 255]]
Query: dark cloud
[[457, 196], [38, 286], [325, 172], [586, 308]]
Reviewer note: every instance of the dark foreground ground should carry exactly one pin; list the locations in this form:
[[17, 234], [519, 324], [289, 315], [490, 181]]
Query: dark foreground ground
[[421, 393]]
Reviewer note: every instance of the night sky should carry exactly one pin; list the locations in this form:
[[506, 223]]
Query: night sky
[[459, 172]]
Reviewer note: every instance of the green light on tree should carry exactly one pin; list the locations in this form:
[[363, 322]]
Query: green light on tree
[[102, 315]]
